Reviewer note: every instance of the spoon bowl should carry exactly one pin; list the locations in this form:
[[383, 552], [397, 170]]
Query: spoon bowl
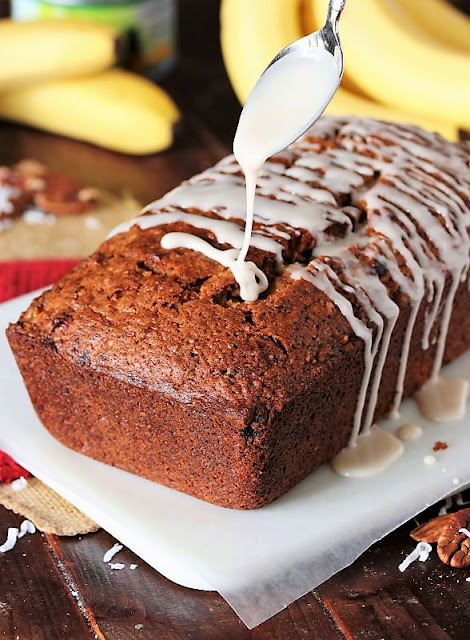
[[326, 39], [291, 93]]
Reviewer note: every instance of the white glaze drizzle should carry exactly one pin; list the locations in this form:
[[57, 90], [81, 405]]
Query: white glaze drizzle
[[251, 279], [374, 299], [443, 399], [326, 280], [224, 194], [414, 206], [408, 432], [224, 231], [373, 453]]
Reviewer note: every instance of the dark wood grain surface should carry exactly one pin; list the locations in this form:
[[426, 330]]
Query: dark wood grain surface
[[58, 588]]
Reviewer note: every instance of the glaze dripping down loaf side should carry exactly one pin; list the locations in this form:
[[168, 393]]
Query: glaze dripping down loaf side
[[148, 359]]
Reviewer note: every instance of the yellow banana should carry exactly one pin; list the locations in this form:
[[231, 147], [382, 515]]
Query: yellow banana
[[346, 103], [390, 64], [114, 109], [249, 43], [441, 20], [252, 33], [51, 49]]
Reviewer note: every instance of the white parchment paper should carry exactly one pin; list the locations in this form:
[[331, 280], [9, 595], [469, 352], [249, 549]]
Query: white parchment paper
[[259, 561]]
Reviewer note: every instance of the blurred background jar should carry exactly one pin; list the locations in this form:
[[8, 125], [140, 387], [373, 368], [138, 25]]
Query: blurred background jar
[[149, 26]]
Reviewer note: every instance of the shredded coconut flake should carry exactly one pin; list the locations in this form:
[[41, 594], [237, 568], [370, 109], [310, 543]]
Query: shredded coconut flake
[[7, 193], [420, 552], [12, 537], [15, 534], [467, 579], [36, 216], [465, 530], [92, 223], [132, 567], [117, 565], [109, 555], [138, 626], [26, 527], [20, 484]]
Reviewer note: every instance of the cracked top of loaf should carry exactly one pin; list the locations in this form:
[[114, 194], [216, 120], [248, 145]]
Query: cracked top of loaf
[[390, 201]]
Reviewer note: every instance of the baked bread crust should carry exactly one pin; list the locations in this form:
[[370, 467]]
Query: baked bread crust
[[147, 359]]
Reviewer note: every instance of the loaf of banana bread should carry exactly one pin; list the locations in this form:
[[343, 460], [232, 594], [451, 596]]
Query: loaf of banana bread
[[146, 357]]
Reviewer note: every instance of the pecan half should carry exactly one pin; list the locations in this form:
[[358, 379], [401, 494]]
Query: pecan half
[[62, 195], [431, 531], [30, 168], [453, 546]]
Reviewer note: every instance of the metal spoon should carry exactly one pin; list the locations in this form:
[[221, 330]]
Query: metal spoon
[[288, 96], [325, 38]]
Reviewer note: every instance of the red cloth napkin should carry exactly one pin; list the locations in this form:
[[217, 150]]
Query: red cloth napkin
[[18, 277], [10, 470]]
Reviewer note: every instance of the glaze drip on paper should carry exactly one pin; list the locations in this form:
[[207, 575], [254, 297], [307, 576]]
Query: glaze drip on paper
[[373, 452], [385, 218], [409, 432], [443, 399]]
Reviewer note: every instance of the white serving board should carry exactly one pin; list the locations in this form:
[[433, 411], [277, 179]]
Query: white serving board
[[259, 560]]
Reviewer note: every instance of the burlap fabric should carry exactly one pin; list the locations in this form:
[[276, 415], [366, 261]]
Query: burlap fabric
[[48, 511]]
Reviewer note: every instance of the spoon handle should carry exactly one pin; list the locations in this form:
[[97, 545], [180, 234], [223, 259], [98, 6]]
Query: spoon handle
[[337, 5]]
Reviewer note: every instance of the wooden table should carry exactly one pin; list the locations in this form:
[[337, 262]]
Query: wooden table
[[58, 588]]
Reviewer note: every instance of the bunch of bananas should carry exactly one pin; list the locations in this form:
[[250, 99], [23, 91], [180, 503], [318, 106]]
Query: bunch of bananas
[[56, 75], [405, 60]]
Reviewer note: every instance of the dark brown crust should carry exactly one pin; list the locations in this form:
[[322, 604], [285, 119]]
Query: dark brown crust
[[147, 359]]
